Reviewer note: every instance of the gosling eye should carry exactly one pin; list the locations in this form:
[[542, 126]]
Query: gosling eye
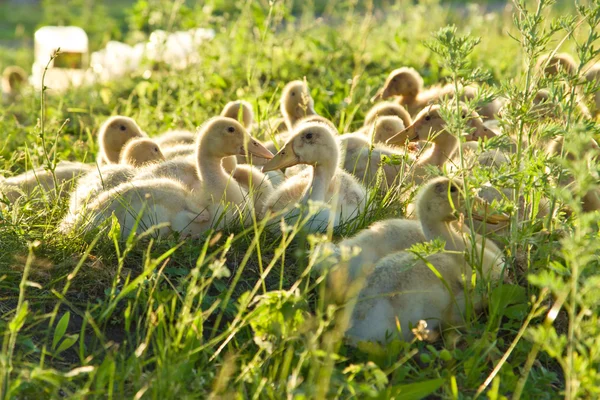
[[156, 149], [123, 127], [231, 129], [463, 116], [309, 135], [453, 189], [293, 93], [427, 118]]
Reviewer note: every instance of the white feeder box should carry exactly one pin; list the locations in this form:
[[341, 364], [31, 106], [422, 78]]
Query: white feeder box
[[70, 67]]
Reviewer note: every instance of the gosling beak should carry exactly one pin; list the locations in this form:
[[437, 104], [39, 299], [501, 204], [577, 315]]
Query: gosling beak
[[376, 97], [484, 216], [285, 158], [481, 131], [256, 149], [380, 95], [401, 137], [493, 219]]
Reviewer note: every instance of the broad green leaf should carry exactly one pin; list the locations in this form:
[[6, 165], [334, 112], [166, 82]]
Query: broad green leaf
[[506, 295], [67, 343], [60, 329]]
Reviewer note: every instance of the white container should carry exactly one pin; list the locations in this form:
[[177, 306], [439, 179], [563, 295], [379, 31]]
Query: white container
[[178, 49], [69, 68], [116, 60]]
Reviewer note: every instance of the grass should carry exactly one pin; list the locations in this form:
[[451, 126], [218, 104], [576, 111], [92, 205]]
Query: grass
[[236, 314]]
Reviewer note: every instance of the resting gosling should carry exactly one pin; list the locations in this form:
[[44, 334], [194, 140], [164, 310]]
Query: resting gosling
[[393, 235], [387, 108], [383, 128], [162, 202], [402, 288], [140, 152], [260, 185], [552, 65], [296, 106], [430, 125], [315, 144], [363, 157], [136, 154], [178, 143], [13, 80], [218, 138], [239, 110], [408, 84], [296, 103], [113, 135], [41, 179]]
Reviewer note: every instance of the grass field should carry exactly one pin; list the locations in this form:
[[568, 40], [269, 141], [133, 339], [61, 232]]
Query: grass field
[[237, 314]]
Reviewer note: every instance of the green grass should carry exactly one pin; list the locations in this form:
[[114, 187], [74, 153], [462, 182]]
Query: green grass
[[236, 314]]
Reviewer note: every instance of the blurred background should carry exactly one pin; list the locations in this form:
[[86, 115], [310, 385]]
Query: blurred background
[[132, 21]]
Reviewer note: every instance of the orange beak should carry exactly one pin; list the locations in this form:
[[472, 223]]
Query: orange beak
[[488, 218], [283, 159], [256, 149], [401, 137]]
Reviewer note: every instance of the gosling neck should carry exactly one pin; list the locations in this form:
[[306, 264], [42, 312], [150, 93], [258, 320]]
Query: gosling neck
[[209, 166], [410, 102], [323, 173], [229, 163], [111, 154], [289, 118], [444, 146], [438, 229]]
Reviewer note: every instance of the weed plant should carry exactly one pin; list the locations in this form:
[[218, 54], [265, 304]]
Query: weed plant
[[237, 314]]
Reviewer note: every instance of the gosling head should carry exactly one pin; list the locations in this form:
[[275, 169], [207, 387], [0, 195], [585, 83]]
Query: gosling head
[[312, 143], [439, 199], [387, 108], [442, 199], [222, 137], [114, 134], [593, 73], [430, 122], [493, 159], [13, 79], [239, 110], [403, 81], [544, 107], [296, 102], [542, 96], [386, 127], [551, 66], [140, 152]]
